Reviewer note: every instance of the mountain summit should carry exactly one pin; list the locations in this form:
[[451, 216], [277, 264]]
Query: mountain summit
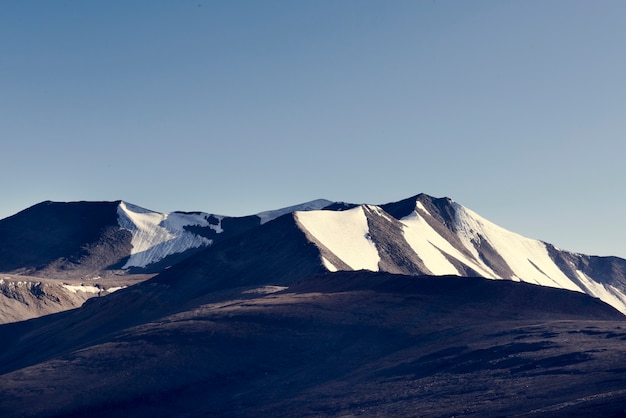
[[437, 236]]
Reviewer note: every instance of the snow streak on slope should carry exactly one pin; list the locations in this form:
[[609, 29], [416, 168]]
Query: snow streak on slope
[[312, 205], [433, 248], [345, 234], [527, 258], [158, 235]]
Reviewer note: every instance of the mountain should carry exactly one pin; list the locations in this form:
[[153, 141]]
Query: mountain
[[25, 297], [98, 247], [418, 235], [345, 310], [421, 235], [56, 239], [426, 235]]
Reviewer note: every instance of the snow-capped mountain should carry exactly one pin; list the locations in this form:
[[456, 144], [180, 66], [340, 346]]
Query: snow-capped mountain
[[425, 235], [255, 314], [420, 235], [156, 236], [87, 239]]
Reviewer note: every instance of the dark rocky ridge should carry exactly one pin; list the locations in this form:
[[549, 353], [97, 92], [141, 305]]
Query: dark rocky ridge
[[64, 234]]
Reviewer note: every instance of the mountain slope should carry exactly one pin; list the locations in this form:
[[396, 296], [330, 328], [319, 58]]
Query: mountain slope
[[425, 235], [325, 312], [418, 235], [113, 243], [62, 236], [24, 297], [337, 344], [54, 239]]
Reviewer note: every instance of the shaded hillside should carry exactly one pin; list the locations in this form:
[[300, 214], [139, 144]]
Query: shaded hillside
[[352, 343], [64, 233]]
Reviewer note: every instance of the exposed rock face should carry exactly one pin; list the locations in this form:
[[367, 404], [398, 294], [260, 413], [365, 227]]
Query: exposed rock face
[[25, 297]]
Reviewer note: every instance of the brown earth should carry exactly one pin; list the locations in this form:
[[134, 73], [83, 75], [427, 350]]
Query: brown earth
[[346, 344]]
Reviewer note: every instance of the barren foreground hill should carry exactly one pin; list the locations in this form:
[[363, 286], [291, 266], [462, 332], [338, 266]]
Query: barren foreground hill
[[352, 343]]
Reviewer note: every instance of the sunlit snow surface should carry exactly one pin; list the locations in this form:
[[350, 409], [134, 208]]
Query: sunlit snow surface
[[430, 246], [158, 235], [527, 258], [345, 234], [81, 288]]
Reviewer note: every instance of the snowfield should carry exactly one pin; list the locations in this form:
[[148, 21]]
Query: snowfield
[[527, 258], [345, 234], [157, 235]]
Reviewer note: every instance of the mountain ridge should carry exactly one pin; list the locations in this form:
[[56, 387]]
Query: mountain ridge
[[321, 312], [414, 236]]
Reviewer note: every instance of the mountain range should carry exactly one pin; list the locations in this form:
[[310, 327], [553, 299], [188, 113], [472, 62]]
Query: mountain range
[[108, 245], [413, 308]]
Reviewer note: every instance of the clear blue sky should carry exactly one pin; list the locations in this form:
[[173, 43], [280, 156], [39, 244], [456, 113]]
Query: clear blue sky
[[515, 109]]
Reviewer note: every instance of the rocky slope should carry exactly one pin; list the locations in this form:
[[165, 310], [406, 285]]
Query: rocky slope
[[347, 343]]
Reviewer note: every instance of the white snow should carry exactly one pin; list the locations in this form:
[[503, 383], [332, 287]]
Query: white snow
[[421, 207], [516, 250], [82, 288], [312, 205], [158, 235], [607, 293], [329, 266], [430, 246], [345, 234], [115, 289]]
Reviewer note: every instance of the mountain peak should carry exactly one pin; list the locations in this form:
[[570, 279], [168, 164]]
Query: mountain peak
[[316, 204], [405, 207]]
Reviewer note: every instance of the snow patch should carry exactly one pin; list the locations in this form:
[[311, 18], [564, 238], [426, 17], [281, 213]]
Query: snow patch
[[312, 205], [329, 266], [421, 207], [430, 246], [158, 235], [607, 293], [115, 289], [345, 233], [82, 288]]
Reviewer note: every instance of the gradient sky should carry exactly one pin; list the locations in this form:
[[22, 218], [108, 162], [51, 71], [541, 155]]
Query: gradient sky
[[515, 109]]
